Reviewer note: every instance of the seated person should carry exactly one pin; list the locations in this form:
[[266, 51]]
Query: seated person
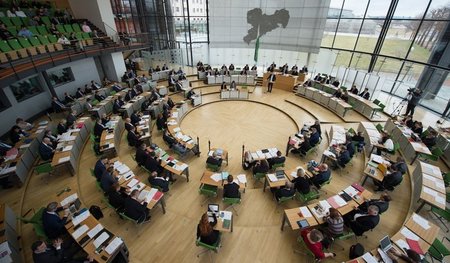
[[169, 139], [98, 96], [99, 128], [344, 96], [62, 128], [386, 141], [206, 232], [338, 93], [336, 83], [301, 183], [390, 180], [349, 145], [153, 163], [54, 225], [142, 154], [116, 197], [161, 122], [215, 159], [335, 222], [344, 156], [365, 94], [136, 209], [276, 160], [314, 137], [231, 189], [417, 127], [46, 150], [133, 138], [71, 118], [135, 118], [287, 191], [316, 126], [15, 134], [354, 90], [305, 146], [358, 137], [53, 138], [105, 119], [128, 124], [430, 139], [108, 179], [261, 166], [223, 86], [408, 121], [100, 167], [411, 256], [364, 221], [313, 238], [323, 174], [43, 253], [400, 164], [23, 125], [158, 182], [382, 203]]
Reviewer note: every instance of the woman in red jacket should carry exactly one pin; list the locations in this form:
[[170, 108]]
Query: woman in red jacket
[[312, 239]]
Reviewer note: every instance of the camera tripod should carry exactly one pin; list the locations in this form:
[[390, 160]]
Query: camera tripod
[[398, 109]]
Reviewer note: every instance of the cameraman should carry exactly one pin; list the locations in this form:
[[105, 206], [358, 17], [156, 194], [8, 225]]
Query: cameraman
[[414, 95]]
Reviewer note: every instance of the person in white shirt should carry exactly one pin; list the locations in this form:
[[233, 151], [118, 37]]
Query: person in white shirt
[[386, 141], [86, 28], [26, 126], [63, 40]]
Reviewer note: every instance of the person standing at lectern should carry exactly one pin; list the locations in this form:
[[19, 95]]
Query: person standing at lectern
[[272, 78]]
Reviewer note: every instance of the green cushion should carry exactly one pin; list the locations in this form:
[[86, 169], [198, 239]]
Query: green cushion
[[52, 39], [46, 21], [60, 28], [79, 36], [33, 30], [68, 28], [86, 35], [76, 28], [43, 40], [34, 41], [24, 42], [7, 21], [16, 21], [12, 30], [4, 47], [14, 44], [42, 30]]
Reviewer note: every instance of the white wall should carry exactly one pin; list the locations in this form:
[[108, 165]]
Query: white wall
[[83, 70], [113, 65], [96, 11]]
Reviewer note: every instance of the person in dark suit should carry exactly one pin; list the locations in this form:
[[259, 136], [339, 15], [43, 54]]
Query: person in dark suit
[[116, 87], [158, 182], [362, 222], [105, 119], [57, 105], [417, 128], [71, 118], [323, 175], [54, 225], [178, 85], [305, 146], [99, 128], [272, 78], [231, 189], [314, 137], [108, 178], [136, 209], [62, 128], [161, 122], [276, 160], [116, 197], [400, 165], [116, 106], [301, 183], [354, 90], [135, 119], [165, 67], [47, 254], [382, 203], [100, 167], [142, 154], [145, 104], [287, 191], [154, 96], [261, 166], [344, 156], [223, 86], [214, 160], [171, 81], [15, 134], [157, 69], [79, 93], [98, 96], [336, 83], [390, 180], [317, 77], [153, 164], [365, 94], [231, 67], [430, 139], [206, 232], [129, 96], [169, 139], [68, 98], [53, 139], [133, 138], [46, 150], [128, 124], [254, 67]]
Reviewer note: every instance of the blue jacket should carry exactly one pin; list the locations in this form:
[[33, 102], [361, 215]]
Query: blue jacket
[[314, 139], [99, 169], [45, 151], [53, 225]]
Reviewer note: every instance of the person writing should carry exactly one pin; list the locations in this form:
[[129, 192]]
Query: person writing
[[215, 159], [136, 209], [231, 189], [301, 183], [205, 231], [323, 175]]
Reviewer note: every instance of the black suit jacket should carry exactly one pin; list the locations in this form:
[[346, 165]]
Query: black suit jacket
[[79, 94], [159, 182], [141, 156], [99, 97], [321, 177], [51, 255], [276, 160], [61, 128], [135, 210], [364, 223], [53, 225], [392, 180], [365, 95], [71, 120], [302, 185], [133, 139], [135, 118], [214, 161], [153, 165], [128, 126], [383, 206], [231, 190], [98, 129], [45, 151], [116, 107], [57, 107], [116, 199]]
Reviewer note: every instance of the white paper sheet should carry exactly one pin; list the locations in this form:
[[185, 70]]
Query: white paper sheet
[[132, 183], [80, 231], [421, 221], [70, 199], [369, 258], [242, 178], [64, 159], [305, 211], [216, 177], [94, 231], [80, 218], [429, 191], [99, 240], [272, 177], [409, 234], [113, 245]]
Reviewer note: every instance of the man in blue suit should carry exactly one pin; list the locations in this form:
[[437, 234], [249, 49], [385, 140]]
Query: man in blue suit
[[46, 150], [100, 167], [52, 222], [314, 137]]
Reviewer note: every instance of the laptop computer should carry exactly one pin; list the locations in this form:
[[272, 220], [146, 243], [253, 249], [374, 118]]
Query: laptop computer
[[385, 244], [75, 206]]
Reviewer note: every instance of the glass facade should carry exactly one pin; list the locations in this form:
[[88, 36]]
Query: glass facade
[[166, 24], [406, 42]]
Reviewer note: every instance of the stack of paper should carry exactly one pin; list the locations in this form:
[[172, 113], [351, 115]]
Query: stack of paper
[[272, 177], [67, 148], [70, 199], [80, 231], [132, 183], [113, 245], [94, 231], [109, 136], [242, 178], [216, 177], [305, 211], [80, 218], [421, 221], [101, 239], [64, 159]]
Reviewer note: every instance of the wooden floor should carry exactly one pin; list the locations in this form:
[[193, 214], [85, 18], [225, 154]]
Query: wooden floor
[[266, 120]]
